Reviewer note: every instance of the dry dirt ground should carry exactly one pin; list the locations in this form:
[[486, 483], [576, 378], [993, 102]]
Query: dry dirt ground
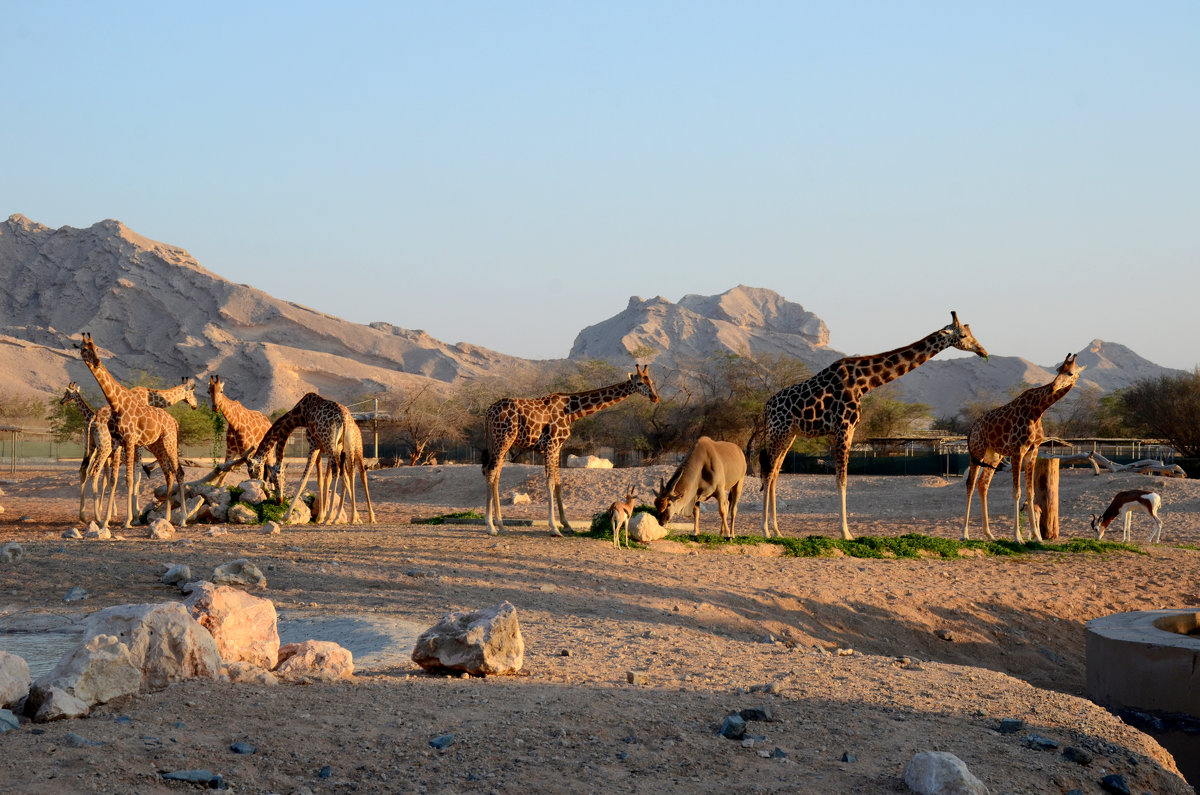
[[697, 622]]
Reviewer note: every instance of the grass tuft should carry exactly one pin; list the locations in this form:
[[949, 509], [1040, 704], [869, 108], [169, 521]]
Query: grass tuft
[[911, 545], [448, 518]]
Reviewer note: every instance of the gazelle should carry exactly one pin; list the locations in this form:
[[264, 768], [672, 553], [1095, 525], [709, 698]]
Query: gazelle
[[1124, 504], [619, 513]]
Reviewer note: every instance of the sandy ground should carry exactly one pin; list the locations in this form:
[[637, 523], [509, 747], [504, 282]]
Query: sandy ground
[[713, 631]]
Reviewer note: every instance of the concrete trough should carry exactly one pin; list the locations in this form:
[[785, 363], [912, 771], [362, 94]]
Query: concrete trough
[[1147, 660]]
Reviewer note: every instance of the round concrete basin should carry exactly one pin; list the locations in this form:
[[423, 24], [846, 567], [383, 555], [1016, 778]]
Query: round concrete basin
[[1146, 660]]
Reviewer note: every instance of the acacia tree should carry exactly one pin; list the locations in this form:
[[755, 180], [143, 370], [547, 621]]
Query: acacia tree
[[424, 418], [1167, 407], [885, 415]]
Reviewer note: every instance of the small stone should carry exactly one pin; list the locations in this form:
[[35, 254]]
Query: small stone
[[733, 727], [779, 753], [845, 652], [1115, 783], [944, 634], [176, 574], [1010, 726], [637, 678], [242, 748], [205, 777], [769, 687], [75, 594], [849, 757], [326, 772], [1077, 755], [72, 533], [11, 552], [8, 721], [100, 533], [1039, 742], [122, 719], [549, 588], [767, 639], [75, 741], [764, 713], [565, 653], [442, 742]]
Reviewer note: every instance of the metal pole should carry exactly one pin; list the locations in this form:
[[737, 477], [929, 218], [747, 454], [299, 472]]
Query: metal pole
[[375, 426]]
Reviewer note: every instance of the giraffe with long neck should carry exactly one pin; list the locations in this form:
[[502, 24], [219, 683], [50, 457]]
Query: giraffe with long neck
[[139, 425], [324, 423], [245, 427], [829, 404], [1014, 430], [542, 424], [165, 398]]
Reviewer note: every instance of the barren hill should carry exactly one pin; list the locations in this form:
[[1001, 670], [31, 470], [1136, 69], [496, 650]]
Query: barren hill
[[153, 308]]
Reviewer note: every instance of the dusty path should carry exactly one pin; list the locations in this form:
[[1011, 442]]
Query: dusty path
[[698, 623]]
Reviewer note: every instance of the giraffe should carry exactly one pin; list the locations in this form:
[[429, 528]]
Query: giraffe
[[245, 427], [324, 421], [543, 424], [829, 404], [165, 398], [139, 425], [97, 449], [352, 460], [1014, 430]]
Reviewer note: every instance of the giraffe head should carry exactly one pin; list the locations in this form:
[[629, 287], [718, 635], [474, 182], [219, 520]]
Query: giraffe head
[[189, 392], [642, 383], [87, 351], [961, 337], [1068, 372], [71, 395], [215, 387]]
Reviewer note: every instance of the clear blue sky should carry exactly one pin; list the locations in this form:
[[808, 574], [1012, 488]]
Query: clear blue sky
[[507, 173]]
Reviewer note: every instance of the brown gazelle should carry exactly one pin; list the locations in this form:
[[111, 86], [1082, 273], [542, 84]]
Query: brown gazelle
[[543, 424], [619, 514]]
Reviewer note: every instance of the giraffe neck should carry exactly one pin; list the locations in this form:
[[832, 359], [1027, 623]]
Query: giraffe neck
[[581, 404], [165, 398], [882, 368], [114, 393], [87, 411], [226, 407], [1035, 401], [279, 431]]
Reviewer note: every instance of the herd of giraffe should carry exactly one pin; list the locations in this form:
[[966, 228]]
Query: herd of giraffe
[[827, 404], [135, 418]]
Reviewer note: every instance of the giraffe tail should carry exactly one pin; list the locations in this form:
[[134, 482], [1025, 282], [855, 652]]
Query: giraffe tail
[[764, 467], [489, 457]]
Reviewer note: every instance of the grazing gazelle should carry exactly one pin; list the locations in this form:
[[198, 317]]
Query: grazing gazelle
[[1124, 504], [619, 513]]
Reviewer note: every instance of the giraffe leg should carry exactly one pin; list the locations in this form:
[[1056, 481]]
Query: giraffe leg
[[775, 451], [303, 480], [552, 488], [982, 484], [1035, 530], [1018, 463], [972, 473], [130, 451], [841, 458], [495, 524], [362, 475]]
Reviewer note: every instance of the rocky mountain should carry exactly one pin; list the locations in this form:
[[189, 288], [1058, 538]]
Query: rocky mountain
[[152, 308], [742, 320]]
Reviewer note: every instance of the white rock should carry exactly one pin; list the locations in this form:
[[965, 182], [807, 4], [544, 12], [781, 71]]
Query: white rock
[[11, 552], [271, 528], [299, 513], [95, 672], [72, 533], [521, 498], [245, 627], [243, 673], [486, 641], [241, 573], [314, 660], [165, 642], [253, 492], [644, 528], [177, 574], [588, 462], [101, 533], [14, 679], [161, 528], [941, 773], [56, 704], [241, 514]]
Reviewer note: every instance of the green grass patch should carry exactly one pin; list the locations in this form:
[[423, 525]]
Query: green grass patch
[[1192, 547], [449, 518], [911, 545]]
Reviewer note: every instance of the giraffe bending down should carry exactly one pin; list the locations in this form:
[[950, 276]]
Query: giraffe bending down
[[352, 460], [1014, 430], [139, 425], [324, 420], [165, 398], [245, 427], [829, 404], [543, 424]]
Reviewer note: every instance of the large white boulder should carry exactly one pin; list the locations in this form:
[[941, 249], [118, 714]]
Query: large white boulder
[[588, 462], [165, 642], [941, 773], [486, 641], [245, 627], [14, 679], [644, 528], [314, 660], [95, 672]]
